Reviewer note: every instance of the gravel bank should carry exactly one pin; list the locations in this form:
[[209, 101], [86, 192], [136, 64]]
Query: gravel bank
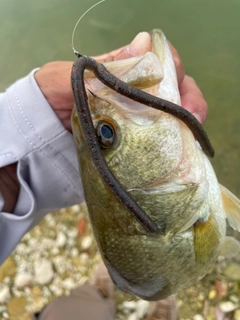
[[60, 254]]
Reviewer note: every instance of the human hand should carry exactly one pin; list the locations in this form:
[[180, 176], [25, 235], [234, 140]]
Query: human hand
[[54, 81]]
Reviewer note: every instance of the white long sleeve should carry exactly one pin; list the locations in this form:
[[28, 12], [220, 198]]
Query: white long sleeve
[[32, 135]]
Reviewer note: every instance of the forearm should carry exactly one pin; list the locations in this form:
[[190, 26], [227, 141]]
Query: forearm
[[38, 163]]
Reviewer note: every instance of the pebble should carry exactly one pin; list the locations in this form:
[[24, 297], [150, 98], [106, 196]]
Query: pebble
[[27, 291], [234, 299], [60, 264], [130, 305], [43, 271], [198, 317], [21, 248], [133, 316], [82, 281], [69, 283], [50, 221], [55, 251], [56, 290], [237, 315], [22, 280], [75, 209], [3, 308], [5, 315], [72, 233], [84, 257], [7, 280], [212, 294], [232, 271], [142, 308], [74, 253], [61, 240], [227, 306], [71, 242], [46, 292], [16, 292], [86, 243], [33, 242], [4, 294]]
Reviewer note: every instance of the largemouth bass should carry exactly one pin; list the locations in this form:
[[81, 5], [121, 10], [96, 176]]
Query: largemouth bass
[[157, 159]]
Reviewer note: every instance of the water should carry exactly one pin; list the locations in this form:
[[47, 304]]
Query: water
[[206, 34]]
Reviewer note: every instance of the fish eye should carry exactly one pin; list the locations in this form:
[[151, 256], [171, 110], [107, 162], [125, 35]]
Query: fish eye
[[106, 134]]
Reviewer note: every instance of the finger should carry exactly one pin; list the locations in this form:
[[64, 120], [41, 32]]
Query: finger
[[192, 99], [107, 56], [178, 63], [140, 45]]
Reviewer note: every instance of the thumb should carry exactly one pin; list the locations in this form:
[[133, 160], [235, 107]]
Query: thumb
[[140, 45]]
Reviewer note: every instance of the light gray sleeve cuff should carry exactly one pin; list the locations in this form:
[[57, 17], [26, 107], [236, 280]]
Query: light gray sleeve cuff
[[33, 136]]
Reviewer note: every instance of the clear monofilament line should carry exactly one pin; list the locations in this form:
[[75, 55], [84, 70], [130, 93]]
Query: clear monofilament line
[[73, 33]]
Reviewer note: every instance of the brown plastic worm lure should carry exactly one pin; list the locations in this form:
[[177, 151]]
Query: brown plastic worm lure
[[91, 139]]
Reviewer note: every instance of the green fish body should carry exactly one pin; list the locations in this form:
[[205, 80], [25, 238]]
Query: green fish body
[[157, 160]]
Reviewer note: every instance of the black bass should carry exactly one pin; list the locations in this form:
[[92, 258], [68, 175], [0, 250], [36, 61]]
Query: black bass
[[157, 160]]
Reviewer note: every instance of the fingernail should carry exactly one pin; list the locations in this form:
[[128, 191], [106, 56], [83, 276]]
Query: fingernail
[[138, 45]]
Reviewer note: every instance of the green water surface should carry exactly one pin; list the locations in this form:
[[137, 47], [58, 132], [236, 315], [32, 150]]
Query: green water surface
[[205, 32]]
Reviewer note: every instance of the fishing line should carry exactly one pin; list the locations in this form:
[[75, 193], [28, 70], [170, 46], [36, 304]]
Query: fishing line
[[74, 29]]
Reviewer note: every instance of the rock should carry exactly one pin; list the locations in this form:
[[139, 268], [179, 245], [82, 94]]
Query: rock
[[50, 221], [130, 305], [4, 294], [83, 280], [43, 271], [23, 279], [221, 288], [68, 284], [212, 294], [7, 280], [75, 209], [21, 248], [2, 309], [55, 251], [86, 243], [61, 240], [72, 233], [74, 252], [232, 271], [8, 268], [133, 316], [237, 315], [227, 306], [16, 305], [234, 299], [60, 264], [46, 292], [142, 308], [84, 258], [56, 290], [186, 312], [33, 242], [198, 317]]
